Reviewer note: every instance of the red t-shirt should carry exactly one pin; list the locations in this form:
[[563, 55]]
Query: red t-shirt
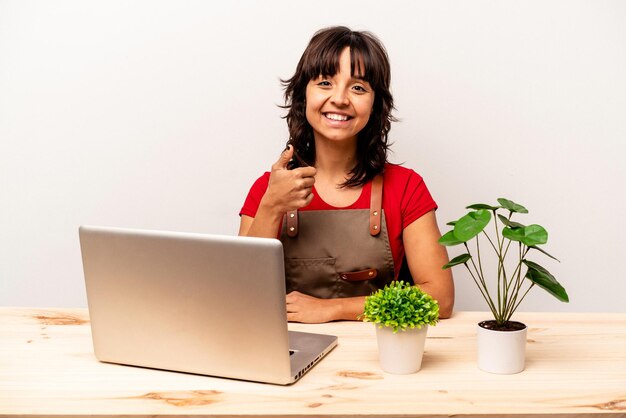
[[405, 199]]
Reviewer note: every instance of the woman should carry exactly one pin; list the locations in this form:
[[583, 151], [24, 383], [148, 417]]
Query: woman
[[347, 218]]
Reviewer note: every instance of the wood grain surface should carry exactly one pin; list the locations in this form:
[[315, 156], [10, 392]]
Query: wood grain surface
[[576, 367]]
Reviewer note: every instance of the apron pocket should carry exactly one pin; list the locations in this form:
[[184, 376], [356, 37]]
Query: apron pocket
[[312, 276], [359, 276]]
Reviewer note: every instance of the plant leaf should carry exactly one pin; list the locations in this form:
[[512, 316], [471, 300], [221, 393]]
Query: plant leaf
[[510, 223], [471, 224], [513, 234], [477, 206], [527, 235], [534, 234], [512, 206], [544, 279], [448, 239], [542, 251], [451, 223], [461, 259]]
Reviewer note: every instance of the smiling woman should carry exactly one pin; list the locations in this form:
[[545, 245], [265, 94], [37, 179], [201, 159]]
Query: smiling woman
[[359, 60], [339, 106], [343, 237]]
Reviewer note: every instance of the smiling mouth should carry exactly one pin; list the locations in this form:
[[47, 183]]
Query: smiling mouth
[[336, 117]]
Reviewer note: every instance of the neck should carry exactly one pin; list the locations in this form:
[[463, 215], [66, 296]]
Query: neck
[[335, 160]]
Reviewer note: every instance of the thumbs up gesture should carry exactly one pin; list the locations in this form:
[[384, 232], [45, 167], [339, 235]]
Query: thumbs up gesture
[[289, 189]]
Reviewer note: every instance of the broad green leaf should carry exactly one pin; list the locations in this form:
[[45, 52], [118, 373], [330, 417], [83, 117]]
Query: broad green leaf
[[477, 206], [534, 235], [461, 259], [534, 266], [544, 279], [510, 223], [527, 235], [471, 224], [513, 234], [448, 239], [451, 223], [555, 289], [512, 206], [543, 251]]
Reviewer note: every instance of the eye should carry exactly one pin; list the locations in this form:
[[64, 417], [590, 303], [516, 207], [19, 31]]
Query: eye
[[359, 88], [324, 83]]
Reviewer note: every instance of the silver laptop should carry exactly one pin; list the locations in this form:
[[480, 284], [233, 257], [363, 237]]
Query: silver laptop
[[204, 304]]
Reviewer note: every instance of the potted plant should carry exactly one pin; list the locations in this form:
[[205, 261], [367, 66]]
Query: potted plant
[[501, 341], [402, 313]]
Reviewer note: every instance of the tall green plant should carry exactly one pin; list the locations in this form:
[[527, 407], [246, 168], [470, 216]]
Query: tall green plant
[[509, 285]]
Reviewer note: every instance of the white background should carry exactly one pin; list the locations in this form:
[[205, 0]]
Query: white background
[[161, 114]]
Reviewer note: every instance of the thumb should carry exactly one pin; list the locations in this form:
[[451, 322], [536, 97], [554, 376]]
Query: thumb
[[284, 158]]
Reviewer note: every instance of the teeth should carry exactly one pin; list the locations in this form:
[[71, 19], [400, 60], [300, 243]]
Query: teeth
[[334, 116]]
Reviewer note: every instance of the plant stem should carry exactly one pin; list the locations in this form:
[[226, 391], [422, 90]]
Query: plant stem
[[516, 287], [482, 278], [500, 262], [506, 282], [501, 295], [520, 301], [480, 288], [514, 276], [510, 309], [480, 264], [490, 241], [506, 250]]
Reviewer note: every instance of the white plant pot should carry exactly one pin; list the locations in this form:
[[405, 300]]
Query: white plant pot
[[401, 353], [501, 352]]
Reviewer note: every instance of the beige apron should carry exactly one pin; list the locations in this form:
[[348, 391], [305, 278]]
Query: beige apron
[[333, 253]]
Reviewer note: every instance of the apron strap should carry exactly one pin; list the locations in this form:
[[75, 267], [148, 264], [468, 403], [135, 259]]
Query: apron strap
[[292, 223], [376, 204]]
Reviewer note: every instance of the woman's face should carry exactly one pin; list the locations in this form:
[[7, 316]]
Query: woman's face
[[339, 106]]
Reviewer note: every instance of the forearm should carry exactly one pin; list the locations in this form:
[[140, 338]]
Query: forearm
[[312, 310], [265, 225], [287, 190], [347, 309], [442, 294], [426, 257]]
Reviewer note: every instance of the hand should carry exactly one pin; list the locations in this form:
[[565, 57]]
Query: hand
[[289, 189], [309, 309]]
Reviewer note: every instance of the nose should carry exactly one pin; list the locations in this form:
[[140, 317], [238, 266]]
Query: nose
[[340, 97]]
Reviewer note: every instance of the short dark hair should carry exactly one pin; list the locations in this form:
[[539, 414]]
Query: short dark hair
[[321, 57]]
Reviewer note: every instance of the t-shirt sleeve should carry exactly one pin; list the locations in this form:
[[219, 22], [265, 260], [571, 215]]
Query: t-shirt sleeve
[[258, 189], [417, 200]]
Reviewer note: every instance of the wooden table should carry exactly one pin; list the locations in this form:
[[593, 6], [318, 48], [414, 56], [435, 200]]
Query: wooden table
[[576, 367]]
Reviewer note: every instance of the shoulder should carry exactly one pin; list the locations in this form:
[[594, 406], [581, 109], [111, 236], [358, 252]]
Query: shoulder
[[397, 176], [405, 190], [255, 194], [261, 183]]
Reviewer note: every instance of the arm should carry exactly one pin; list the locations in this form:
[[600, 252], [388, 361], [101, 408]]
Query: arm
[[287, 190], [309, 309], [425, 257]]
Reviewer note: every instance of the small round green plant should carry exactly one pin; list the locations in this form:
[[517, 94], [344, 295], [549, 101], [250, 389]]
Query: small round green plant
[[400, 305]]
